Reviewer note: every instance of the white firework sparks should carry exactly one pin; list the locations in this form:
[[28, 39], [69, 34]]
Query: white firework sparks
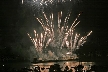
[[45, 2], [62, 37]]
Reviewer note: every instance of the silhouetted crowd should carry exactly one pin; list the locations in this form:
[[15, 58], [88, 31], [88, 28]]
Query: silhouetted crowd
[[57, 68]]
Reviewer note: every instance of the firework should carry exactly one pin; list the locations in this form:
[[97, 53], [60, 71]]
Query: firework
[[41, 5], [45, 2], [59, 37]]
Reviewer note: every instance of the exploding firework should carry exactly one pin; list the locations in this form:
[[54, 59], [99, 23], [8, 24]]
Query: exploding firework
[[42, 5], [44, 2], [60, 38]]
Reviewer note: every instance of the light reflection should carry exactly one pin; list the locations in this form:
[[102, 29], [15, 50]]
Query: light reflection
[[70, 64]]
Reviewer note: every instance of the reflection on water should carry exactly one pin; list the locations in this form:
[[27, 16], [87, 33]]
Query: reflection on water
[[70, 64], [63, 64]]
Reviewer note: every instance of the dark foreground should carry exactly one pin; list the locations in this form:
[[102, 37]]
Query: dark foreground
[[54, 67]]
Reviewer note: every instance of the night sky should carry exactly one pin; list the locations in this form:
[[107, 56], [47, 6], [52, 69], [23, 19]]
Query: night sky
[[17, 19]]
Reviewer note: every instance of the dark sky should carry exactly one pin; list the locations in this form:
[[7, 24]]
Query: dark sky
[[16, 20]]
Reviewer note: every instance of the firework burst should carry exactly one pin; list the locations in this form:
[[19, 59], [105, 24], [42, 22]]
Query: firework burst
[[58, 37], [42, 5], [45, 2]]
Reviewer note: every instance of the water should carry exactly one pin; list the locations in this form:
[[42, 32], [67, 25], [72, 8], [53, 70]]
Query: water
[[64, 64], [19, 65]]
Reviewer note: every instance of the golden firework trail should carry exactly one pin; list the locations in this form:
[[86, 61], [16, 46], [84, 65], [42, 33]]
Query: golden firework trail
[[63, 36]]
